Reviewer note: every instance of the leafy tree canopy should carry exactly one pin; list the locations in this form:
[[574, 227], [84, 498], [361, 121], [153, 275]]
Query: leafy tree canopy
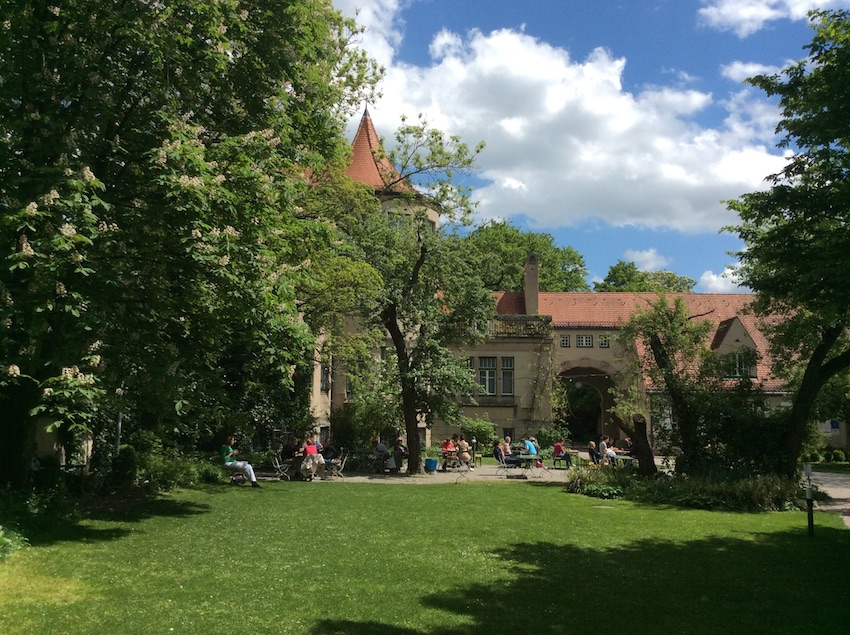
[[153, 162], [625, 276], [796, 231], [501, 250]]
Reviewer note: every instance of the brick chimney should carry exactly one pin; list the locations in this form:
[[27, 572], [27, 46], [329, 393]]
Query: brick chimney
[[531, 285]]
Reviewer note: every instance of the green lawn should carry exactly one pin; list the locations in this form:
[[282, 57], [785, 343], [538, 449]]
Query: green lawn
[[379, 559]]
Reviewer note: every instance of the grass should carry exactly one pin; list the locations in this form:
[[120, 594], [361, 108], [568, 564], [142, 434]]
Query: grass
[[379, 559]]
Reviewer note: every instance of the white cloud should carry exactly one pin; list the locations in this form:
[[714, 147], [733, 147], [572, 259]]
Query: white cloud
[[566, 143], [745, 17], [739, 71], [383, 24], [647, 260], [710, 282]]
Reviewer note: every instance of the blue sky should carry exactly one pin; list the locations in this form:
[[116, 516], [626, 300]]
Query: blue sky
[[618, 126]]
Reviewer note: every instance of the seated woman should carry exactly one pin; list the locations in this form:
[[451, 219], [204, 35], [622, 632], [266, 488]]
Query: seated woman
[[313, 463], [595, 457], [558, 452], [228, 459], [463, 452], [511, 459]]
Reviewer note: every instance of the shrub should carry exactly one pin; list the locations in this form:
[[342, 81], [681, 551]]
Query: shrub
[[10, 542], [479, 429], [838, 456], [815, 457], [713, 491], [125, 467]]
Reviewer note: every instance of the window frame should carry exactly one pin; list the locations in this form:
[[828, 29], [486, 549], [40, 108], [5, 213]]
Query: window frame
[[486, 376], [507, 375]]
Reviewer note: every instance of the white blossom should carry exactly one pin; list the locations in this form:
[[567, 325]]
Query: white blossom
[[88, 175], [54, 10], [13, 371], [187, 181], [31, 209], [196, 233], [51, 197], [67, 230], [47, 392], [60, 289], [26, 248]]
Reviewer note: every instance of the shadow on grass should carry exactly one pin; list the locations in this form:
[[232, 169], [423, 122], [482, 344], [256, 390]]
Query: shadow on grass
[[755, 583], [113, 509]]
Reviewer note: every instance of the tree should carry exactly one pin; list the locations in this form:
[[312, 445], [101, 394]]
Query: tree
[[152, 161], [625, 276], [430, 299], [797, 231], [713, 416], [503, 249]]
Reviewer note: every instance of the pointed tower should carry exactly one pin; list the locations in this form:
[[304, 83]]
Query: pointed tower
[[370, 166]]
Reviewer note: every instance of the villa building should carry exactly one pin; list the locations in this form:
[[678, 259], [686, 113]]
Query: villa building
[[536, 337]]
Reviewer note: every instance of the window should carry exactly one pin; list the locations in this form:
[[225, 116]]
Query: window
[[326, 379], [604, 341], [584, 341], [507, 375], [508, 432], [565, 341], [738, 365], [487, 375]]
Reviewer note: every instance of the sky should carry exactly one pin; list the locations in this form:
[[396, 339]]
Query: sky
[[617, 126]]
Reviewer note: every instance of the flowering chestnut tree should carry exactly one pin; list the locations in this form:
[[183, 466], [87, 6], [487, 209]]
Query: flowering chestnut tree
[[153, 156]]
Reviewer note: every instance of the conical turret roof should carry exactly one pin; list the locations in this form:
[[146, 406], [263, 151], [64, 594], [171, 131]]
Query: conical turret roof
[[369, 162]]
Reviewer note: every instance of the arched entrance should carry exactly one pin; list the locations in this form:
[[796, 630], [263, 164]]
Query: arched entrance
[[586, 400]]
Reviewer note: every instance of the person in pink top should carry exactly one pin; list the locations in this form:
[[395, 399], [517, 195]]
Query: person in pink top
[[313, 462]]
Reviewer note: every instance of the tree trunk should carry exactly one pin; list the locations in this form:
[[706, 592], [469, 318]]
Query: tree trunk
[[817, 373], [643, 451], [411, 427], [17, 431]]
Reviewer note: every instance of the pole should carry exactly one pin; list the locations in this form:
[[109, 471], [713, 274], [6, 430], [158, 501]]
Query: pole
[[120, 393], [807, 470]]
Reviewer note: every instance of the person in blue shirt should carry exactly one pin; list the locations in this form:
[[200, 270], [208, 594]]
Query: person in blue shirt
[[530, 448]]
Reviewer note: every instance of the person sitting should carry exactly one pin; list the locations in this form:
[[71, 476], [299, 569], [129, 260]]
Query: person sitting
[[593, 453], [329, 452], [511, 459], [558, 452], [291, 456], [530, 448], [606, 450], [228, 459], [382, 455], [399, 454], [449, 452], [463, 452], [497, 452], [313, 463]]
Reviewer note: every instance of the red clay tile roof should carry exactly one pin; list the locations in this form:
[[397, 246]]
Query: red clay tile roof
[[369, 163], [612, 310]]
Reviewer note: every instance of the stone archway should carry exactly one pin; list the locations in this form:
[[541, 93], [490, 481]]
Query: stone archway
[[598, 376]]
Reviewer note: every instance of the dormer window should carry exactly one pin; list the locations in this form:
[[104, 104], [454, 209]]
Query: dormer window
[[740, 364]]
